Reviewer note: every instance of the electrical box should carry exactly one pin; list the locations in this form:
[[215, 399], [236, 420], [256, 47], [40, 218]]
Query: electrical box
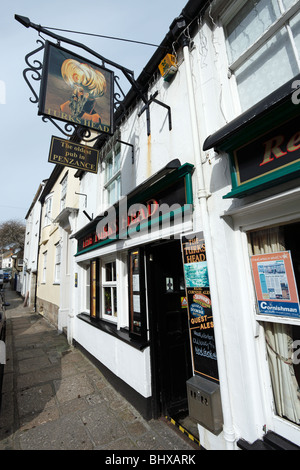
[[204, 401], [168, 67]]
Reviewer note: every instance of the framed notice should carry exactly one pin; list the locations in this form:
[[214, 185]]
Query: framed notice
[[81, 157], [137, 309], [275, 285], [76, 90]]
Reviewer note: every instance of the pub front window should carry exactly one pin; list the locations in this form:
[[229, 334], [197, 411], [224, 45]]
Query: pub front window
[[281, 335], [109, 310]]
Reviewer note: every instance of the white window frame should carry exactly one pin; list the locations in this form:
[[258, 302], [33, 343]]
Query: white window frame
[[115, 178], [57, 265], [63, 195], [87, 297], [85, 282], [111, 284], [44, 267], [282, 22], [48, 210]]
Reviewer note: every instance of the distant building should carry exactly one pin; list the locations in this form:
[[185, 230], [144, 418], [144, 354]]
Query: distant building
[[31, 248], [59, 207], [7, 261]]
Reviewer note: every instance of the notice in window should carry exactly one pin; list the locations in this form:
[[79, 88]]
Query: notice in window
[[275, 284]]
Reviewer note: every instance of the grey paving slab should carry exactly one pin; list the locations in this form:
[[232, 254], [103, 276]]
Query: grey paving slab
[[54, 398]]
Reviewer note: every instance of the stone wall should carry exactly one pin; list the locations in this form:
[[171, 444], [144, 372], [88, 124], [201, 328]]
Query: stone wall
[[48, 310]]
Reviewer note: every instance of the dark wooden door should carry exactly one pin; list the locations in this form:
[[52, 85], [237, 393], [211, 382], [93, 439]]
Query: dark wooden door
[[171, 356]]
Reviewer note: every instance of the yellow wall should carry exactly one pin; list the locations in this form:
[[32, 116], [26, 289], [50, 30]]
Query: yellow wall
[[51, 234]]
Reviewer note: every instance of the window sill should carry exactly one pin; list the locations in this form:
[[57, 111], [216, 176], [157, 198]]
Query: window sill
[[111, 329]]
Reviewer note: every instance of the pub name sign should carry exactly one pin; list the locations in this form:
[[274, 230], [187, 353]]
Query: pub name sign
[[66, 153], [273, 157], [76, 90]]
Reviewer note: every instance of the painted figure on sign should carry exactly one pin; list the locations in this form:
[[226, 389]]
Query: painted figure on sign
[[88, 84]]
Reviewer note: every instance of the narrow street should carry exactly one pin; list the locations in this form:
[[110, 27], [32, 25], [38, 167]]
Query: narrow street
[[54, 398]]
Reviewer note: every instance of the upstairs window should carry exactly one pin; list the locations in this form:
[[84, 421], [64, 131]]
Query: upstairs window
[[48, 210], [57, 263], [263, 44], [63, 195], [113, 174]]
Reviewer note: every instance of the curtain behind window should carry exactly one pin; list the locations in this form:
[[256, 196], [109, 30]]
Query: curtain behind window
[[278, 337]]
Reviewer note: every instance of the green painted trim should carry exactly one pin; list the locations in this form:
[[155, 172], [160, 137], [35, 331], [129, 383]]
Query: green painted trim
[[186, 209], [163, 183], [189, 189], [287, 111], [272, 179], [185, 171]]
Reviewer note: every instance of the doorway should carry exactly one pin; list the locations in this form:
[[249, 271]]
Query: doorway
[[169, 332]]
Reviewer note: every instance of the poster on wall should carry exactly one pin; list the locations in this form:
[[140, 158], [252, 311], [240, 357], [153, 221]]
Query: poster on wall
[[275, 284], [199, 305], [76, 90]]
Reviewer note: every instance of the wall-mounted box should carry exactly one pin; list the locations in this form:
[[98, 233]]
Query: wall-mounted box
[[204, 401], [168, 67]]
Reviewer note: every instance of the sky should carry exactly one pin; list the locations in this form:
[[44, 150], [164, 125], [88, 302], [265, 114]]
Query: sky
[[25, 138]]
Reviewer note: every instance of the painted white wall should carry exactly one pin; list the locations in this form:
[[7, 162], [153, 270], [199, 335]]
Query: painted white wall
[[31, 243], [117, 356]]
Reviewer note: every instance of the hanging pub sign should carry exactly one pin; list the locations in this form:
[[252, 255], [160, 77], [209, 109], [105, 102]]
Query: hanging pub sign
[[66, 153], [275, 285], [199, 307], [76, 90]]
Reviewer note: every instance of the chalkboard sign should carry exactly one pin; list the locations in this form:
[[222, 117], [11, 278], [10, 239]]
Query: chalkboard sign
[[199, 307]]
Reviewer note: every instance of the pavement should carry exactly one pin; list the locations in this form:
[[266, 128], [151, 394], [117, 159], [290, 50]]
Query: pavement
[[54, 398]]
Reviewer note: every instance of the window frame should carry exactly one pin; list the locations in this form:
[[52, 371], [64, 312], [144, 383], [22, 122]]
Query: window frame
[[257, 216], [63, 194], [57, 264], [137, 294], [226, 15], [44, 271], [87, 288], [48, 210], [278, 346], [113, 150], [108, 284]]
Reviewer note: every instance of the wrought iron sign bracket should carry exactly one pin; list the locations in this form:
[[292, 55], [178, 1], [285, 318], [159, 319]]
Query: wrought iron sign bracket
[[37, 66], [130, 145], [146, 108]]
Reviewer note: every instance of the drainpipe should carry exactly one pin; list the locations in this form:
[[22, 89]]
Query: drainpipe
[[228, 429]]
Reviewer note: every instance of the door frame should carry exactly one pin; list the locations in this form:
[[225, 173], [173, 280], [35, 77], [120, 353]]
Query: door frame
[[159, 403]]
